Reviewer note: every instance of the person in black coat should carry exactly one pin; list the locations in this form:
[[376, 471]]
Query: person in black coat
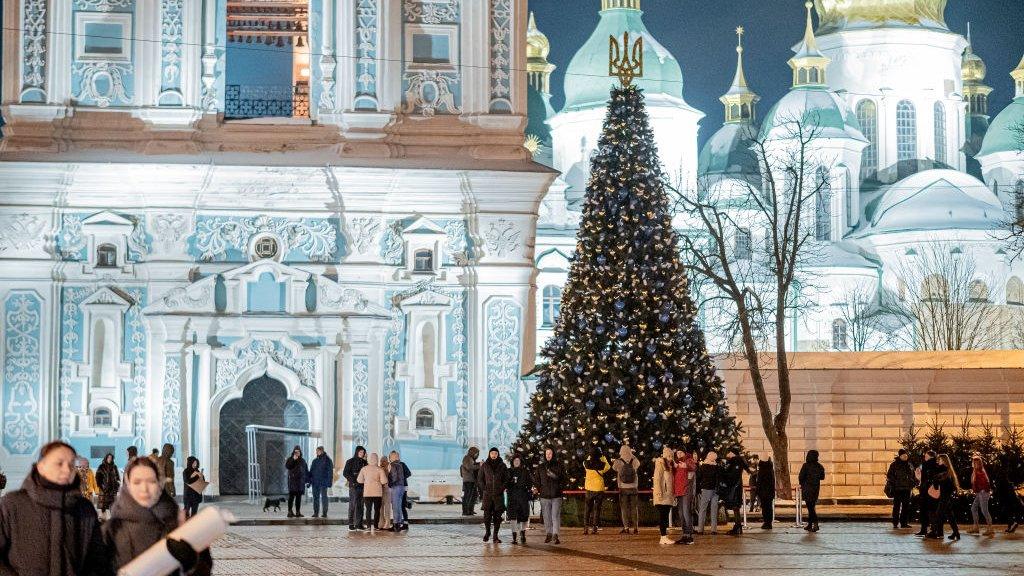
[[519, 487], [353, 466], [924, 478], [47, 528], [189, 475], [491, 480], [730, 487], [811, 475], [900, 480], [548, 482], [143, 515], [298, 478], [108, 480], [944, 509], [765, 489]]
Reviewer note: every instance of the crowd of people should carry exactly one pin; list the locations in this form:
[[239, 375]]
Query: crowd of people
[[51, 525], [684, 487], [939, 490]]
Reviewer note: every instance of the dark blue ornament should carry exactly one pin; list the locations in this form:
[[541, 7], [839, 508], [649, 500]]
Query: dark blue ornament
[[601, 260], [651, 415], [651, 381], [664, 318], [578, 368], [581, 323], [622, 332], [620, 305], [651, 347], [620, 391], [538, 426], [579, 452], [657, 444], [623, 193], [590, 405], [609, 438], [599, 390], [599, 329], [688, 400]]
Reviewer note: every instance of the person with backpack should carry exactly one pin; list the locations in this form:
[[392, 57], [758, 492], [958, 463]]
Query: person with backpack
[[625, 467]]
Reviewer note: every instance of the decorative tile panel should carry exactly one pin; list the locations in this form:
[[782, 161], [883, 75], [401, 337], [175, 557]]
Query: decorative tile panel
[[34, 47], [501, 56], [367, 51], [22, 385], [360, 400], [503, 326]]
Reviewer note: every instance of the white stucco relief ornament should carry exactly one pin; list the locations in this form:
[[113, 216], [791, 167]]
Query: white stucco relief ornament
[[431, 11], [430, 92], [364, 231], [21, 232], [503, 238], [93, 73]]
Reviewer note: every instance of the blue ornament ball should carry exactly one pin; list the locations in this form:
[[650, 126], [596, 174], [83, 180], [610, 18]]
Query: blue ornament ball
[[622, 332], [599, 329], [578, 368], [620, 305], [657, 444], [651, 347], [609, 438], [590, 405], [620, 391], [651, 415], [599, 390], [664, 318], [601, 259]]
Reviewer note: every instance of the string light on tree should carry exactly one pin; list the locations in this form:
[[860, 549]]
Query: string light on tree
[[627, 361]]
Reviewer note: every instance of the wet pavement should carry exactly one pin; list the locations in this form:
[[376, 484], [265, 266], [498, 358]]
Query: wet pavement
[[848, 549]]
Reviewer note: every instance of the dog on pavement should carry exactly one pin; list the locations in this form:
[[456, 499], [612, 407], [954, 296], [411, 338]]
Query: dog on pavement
[[274, 503]]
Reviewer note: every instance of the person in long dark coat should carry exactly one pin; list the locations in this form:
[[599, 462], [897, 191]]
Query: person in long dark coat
[[900, 479], [298, 478], [491, 481], [730, 492], [108, 479], [1009, 502], [519, 486], [811, 475], [189, 475], [765, 489], [924, 478], [47, 528], [944, 509], [143, 515]]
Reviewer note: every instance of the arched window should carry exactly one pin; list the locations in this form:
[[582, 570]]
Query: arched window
[[1018, 201], [1015, 291], [978, 291], [424, 419], [743, 248], [106, 256], [839, 341], [906, 138], [745, 111], [867, 117], [801, 76], [423, 261], [813, 76], [734, 111], [934, 288], [823, 206], [940, 133], [552, 304], [101, 418]]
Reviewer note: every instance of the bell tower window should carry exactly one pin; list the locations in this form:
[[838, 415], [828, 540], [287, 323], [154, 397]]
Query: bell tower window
[[106, 256], [423, 261]]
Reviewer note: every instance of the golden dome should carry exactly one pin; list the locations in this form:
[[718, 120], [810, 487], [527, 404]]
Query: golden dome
[[537, 45], [972, 67], [835, 14]]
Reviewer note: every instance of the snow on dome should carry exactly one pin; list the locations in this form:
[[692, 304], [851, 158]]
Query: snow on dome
[[936, 200], [818, 106]]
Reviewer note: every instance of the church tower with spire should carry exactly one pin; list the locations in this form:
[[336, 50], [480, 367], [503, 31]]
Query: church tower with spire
[[976, 92], [538, 93]]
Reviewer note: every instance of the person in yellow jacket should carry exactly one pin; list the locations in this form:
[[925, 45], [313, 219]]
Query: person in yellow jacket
[[596, 467], [87, 480]]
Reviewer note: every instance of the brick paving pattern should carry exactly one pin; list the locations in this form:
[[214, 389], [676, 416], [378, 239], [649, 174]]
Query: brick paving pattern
[[847, 549]]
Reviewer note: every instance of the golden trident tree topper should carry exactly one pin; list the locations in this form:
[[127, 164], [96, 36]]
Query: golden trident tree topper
[[626, 61]]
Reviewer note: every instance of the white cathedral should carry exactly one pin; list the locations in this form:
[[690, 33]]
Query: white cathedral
[[319, 218], [909, 160]]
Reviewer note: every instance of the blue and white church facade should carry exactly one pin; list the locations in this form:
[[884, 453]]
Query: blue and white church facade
[[314, 215]]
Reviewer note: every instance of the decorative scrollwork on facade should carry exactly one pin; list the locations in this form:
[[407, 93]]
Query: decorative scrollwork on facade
[[457, 245], [171, 39], [70, 240], [501, 56], [333, 296], [431, 11], [391, 244], [33, 49], [135, 344], [503, 238], [457, 353], [429, 92], [171, 420], [21, 232], [70, 352], [92, 74], [364, 231], [184, 299], [169, 232], [316, 239], [328, 65], [503, 333], [361, 400], [259, 351], [102, 5], [22, 386], [367, 49]]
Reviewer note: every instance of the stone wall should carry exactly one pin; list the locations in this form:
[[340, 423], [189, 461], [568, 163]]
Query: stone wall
[[853, 407]]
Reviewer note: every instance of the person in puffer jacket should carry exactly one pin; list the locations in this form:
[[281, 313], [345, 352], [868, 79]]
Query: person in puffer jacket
[[549, 481], [374, 480]]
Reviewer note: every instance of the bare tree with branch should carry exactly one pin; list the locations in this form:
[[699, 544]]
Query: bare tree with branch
[[1012, 229], [859, 313], [747, 241], [943, 302]]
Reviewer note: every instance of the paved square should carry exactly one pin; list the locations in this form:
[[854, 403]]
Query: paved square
[[848, 549]]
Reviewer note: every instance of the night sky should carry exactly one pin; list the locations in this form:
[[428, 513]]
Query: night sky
[[700, 34]]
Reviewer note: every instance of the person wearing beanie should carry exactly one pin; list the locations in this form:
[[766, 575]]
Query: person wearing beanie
[[595, 467], [519, 486], [491, 480], [707, 483], [628, 481], [664, 495], [899, 480]]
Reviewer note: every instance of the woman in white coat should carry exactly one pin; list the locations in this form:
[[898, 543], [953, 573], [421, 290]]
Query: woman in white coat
[[664, 497], [374, 481]]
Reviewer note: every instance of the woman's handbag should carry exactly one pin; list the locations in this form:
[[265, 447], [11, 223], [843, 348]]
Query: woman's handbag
[[934, 493]]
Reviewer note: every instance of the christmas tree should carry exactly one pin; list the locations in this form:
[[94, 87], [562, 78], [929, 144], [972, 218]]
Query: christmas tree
[[627, 362]]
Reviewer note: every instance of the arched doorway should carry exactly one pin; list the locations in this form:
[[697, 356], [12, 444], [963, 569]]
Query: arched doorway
[[264, 402]]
